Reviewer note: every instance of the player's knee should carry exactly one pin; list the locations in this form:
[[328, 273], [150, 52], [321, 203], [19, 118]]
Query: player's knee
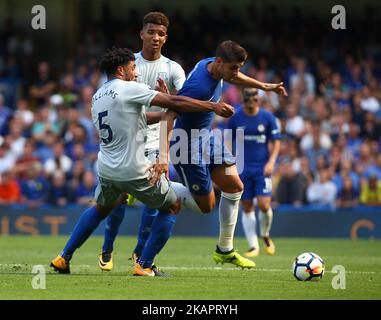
[[175, 208], [247, 208], [236, 187], [207, 207], [103, 211], [239, 186], [264, 207]]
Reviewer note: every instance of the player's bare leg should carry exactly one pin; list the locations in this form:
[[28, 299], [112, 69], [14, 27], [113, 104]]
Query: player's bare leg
[[249, 224], [266, 218], [227, 179]]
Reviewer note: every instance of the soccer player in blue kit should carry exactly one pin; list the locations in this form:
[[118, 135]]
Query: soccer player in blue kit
[[259, 128], [205, 82]]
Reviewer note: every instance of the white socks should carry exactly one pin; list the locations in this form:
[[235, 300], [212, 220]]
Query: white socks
[[266, 219], [186, 197], [228, 212], [249, 224]]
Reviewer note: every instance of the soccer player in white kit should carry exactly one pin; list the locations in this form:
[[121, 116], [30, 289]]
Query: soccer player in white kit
[[118, 112], [151, 66]]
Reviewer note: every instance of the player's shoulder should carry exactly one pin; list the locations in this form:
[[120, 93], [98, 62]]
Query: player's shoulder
[[265, 113], [238, 113], [132, 86], [171, 62]]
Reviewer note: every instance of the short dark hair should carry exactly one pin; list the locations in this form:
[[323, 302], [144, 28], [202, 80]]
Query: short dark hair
[[230, 51], [249, 92], [115, 57], [156, 17]]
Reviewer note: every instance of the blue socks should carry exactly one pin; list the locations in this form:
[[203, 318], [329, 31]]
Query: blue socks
[[113, 223], [161, 231], [148, 215], [150, 242], [85, 226]]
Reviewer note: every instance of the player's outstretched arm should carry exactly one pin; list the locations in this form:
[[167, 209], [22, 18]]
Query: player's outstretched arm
[[243, 80], [186, 104]]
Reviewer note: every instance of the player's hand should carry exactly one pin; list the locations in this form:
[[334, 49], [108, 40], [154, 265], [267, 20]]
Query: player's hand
[[223, 109], [276, 87], [161, 86], [269, 169], [156, 170]]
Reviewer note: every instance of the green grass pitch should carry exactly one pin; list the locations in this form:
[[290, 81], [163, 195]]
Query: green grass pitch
[[196, 275]]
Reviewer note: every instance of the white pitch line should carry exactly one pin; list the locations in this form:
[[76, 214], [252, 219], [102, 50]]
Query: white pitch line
[[254, 269], [194, 268]]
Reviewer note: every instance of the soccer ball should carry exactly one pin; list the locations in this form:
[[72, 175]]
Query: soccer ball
[[308, 266]]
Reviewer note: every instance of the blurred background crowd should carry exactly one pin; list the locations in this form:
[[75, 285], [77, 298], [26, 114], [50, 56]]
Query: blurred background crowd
[[330, 123]]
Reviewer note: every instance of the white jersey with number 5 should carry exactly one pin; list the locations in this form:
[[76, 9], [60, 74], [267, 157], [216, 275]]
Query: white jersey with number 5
[[118, 112], [148, 72]]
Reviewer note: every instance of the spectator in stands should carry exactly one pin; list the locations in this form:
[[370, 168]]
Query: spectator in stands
[[42, 124], [365, 159], [34, 188], [5, 114], [305, 176], [316, 151], [7, 157], [15, 138], [302, 78], [76, 174], [371, 192], [315, 132], [23, 112], [27, 161], [348, 196], [353, 139], [67, 89], [59, 161], [323, 190], [85, 191], [79, 136], [375, 169], [371, 129], [369, 102], [59, 193], [9, 189], [44, 85], [346, 171], [45, 149], [355, 80], [295, 126], [289, 189]]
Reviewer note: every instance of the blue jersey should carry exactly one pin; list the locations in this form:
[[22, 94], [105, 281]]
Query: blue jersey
[[199, 85], [195, 173], [258, 131]]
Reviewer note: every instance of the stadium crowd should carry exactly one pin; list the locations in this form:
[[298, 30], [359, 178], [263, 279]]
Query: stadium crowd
[[330, 123]]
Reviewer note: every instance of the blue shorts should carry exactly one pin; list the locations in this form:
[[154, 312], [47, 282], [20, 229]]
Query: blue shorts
[[200, 160], [196, 177], [255, 185]]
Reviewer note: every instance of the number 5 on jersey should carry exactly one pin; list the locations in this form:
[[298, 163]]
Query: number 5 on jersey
[[103, 126]]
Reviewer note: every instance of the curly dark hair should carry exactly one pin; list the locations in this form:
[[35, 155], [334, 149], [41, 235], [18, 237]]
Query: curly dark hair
[[114, 58], [156, 17], [230, 51]]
